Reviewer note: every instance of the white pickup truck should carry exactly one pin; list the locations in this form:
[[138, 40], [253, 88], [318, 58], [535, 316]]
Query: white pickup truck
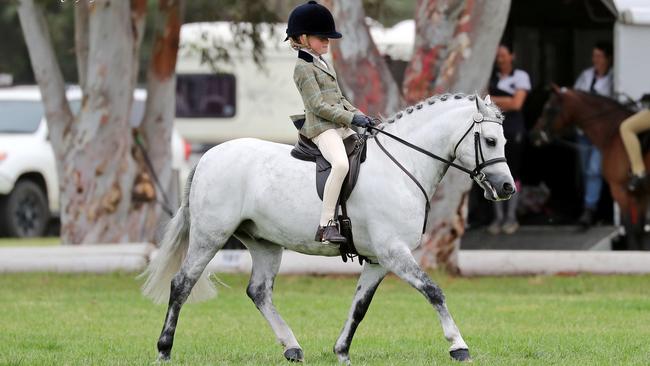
[[29, 188]]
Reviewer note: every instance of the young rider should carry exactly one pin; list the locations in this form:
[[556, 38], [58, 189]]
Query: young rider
[[639, 122], [328, 115], [509, 88]]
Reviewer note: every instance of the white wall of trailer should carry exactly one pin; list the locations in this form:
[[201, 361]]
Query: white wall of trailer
[[264, 98], [632, 48]]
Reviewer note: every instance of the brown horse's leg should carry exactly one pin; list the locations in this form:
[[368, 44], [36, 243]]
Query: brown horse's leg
[[629, 217], [643, 210], [634, 221], [631, 232]]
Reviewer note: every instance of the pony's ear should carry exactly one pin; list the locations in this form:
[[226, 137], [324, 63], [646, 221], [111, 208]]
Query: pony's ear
[[481, 105], [555, 88], [487, 100]]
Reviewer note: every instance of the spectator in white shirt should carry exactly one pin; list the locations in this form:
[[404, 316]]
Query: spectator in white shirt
[[509, 88]]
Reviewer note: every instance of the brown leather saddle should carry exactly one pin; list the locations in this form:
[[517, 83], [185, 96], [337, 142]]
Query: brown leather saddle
[[355, 147]]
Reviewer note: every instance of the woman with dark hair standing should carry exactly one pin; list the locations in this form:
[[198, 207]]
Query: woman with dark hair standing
[[509, 88]]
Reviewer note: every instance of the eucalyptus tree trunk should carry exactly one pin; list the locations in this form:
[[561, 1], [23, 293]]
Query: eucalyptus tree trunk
[[100, 174], [455, 46], [160, 111], [362, 73]]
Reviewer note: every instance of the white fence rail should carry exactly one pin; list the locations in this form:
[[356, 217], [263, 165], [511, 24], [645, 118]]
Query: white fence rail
[[134, 257]]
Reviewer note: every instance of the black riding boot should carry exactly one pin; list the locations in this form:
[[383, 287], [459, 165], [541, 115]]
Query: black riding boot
[[638, 184]]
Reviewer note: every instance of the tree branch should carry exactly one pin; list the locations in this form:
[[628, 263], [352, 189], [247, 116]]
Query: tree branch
[[365, 77], [157, 125], [81, 41], [138, 17], [485, 28], [46, 69], [455, 46]]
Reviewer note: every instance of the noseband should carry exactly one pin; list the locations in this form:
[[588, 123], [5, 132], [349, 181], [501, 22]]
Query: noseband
[[477, 174]]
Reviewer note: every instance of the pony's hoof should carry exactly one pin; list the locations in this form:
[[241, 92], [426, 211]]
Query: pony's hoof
[[294, 355], [342, 353], [461, 354], [344, 360], [163, 357]]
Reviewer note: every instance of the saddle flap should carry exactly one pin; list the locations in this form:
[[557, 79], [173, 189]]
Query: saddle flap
[[305, 149], [355, 148]]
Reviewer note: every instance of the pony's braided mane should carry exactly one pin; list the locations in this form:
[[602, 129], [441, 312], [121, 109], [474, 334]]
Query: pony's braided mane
[[434, 99]]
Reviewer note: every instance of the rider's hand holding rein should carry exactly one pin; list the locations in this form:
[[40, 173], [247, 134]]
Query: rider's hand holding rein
[[328, 114], [362, 120]]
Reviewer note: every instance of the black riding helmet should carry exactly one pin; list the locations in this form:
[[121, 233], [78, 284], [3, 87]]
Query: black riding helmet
[[311, 18]]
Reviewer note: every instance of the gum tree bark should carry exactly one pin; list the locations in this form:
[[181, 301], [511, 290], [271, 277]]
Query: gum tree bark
[[160, 111], [455, 45], [98, 170], [361, 70]]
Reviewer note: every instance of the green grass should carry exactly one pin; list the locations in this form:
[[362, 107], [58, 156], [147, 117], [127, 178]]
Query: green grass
[[29, 242], [51, 319]]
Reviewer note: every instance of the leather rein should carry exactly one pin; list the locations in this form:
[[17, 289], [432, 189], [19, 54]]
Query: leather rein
[[477, 174]]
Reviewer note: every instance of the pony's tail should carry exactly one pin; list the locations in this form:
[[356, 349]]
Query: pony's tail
[[170, 256]]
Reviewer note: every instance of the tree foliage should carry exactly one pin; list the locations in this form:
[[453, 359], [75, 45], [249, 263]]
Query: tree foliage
[[60, 17]]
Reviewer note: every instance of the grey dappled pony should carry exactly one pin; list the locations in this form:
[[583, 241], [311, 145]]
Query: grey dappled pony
[[256, 191]]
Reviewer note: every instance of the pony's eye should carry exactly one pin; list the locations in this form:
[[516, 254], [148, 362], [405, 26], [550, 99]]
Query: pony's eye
[[491, 141]]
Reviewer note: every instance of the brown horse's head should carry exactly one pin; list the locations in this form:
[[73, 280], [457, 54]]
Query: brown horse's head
[[556, 116], [597, 115]]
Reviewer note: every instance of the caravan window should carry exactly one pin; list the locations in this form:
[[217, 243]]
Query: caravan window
[[205, 95]]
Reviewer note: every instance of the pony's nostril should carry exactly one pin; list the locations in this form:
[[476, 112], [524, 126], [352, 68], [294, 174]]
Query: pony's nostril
[[508, 188]]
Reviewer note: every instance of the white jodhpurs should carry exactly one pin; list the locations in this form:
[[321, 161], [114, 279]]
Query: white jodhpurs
[[330, 144]]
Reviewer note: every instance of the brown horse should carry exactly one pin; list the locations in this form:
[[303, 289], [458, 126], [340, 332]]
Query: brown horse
[[599, 117]]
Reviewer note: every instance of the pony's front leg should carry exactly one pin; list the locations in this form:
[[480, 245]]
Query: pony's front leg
[[399, 260], [368, 282]]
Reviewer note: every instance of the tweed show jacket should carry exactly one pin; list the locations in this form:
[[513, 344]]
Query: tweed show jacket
[[325, 105]]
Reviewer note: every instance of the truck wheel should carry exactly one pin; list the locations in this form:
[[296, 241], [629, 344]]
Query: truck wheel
[[25, 212]]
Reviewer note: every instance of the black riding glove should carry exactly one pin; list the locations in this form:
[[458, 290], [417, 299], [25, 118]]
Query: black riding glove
[[361, 120]]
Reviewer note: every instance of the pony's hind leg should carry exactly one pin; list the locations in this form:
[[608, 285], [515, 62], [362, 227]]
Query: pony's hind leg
[[266, 263], [367, 285], [201, 250], [400, 261]]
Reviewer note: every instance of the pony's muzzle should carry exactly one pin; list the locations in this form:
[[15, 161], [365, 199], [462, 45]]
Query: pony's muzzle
[[498, 189]]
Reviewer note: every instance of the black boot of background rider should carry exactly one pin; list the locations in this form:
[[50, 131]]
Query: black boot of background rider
[[638, 183], [586, 220], [330, 234]]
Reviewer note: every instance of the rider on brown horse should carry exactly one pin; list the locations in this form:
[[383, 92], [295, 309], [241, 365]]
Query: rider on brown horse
[[639, 122]]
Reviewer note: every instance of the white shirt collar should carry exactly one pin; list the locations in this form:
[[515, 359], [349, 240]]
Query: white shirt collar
[[315, 56]]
